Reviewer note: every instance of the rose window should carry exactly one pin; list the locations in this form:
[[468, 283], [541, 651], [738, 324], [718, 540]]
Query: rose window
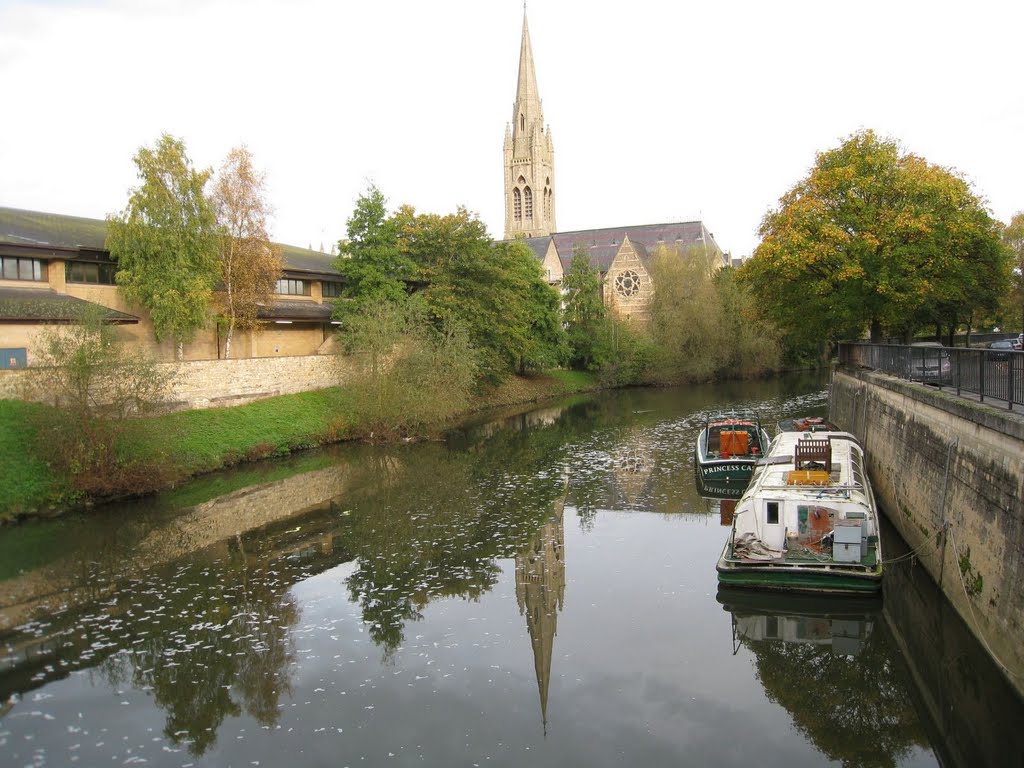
[[627, 283]]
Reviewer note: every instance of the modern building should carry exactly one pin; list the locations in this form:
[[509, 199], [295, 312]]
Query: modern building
[[53, 265]]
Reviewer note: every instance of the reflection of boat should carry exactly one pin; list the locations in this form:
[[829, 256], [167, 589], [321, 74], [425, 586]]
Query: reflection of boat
[[808, 521], [806, 424], [727, 448], [795, 618], [721, 496]]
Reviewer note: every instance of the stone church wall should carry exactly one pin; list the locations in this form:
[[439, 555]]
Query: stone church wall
[[632, 300]]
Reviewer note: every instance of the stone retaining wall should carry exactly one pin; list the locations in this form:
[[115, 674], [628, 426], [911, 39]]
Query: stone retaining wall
[[212, 383], [949, 473]]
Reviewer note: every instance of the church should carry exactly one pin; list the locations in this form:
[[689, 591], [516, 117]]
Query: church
[[621, 255]]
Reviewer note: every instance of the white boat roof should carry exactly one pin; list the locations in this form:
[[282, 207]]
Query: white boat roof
[[847, 460]]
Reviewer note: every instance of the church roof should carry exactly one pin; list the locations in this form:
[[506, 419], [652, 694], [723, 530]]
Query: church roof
[[602, 245]]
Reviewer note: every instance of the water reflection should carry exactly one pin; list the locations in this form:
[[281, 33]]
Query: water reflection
[[720, 496], [831, 664], [416, 599]]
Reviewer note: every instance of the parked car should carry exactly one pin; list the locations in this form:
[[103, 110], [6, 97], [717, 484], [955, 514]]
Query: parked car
[[1020, 341], [1000, 350], [930, 363]]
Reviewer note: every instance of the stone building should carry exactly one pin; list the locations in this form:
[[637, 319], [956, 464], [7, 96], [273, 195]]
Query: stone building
[[52, 265], [529, 156], [621, 255]]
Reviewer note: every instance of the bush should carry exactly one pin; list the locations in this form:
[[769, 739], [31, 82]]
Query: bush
[[95, 384], [409, 374]]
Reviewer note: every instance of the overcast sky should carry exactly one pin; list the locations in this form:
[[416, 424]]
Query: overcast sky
[[659, 110]]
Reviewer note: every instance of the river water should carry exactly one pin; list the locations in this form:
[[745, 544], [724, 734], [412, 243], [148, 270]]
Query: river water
[[539, 589]]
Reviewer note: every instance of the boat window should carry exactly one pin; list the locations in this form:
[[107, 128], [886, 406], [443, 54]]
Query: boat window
[[772, 516]]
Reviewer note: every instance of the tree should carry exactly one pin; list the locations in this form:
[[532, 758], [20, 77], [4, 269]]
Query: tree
[[583, 309], [1013, 238], [250, 265], [494, 290], [165, 242], [875, 238], [372, 266], [408, 374]]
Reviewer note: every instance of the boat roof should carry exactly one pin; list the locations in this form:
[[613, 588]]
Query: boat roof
[[846, 472]]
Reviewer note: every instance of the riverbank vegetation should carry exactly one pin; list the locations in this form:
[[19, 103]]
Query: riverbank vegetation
[[437, 320], [176, 446]]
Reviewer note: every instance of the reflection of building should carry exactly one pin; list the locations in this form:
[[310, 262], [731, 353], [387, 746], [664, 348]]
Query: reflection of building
[[540, 591]]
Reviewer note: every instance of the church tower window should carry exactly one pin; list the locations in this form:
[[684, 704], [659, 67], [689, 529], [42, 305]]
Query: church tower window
[[517, 205], [528, 194]]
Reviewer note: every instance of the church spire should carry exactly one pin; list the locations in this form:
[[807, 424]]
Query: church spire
[[529, 155], [527, 109]]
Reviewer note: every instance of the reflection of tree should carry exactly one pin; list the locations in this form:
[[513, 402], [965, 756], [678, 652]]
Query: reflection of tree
[[438, 528], [856, 710], [211, 647]]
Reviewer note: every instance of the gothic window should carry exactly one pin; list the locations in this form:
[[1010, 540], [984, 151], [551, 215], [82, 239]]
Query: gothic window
[[627, 283], [522, 122], [517, 205], [528, 194], [547, 204]]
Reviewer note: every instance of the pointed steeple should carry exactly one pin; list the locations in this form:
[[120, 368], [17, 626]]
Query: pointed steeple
[[527, 108], [529, 155]]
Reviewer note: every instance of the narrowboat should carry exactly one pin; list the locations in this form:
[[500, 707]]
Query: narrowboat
[[808, 521], [727, 449]]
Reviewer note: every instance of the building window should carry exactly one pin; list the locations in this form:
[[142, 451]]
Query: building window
[[517, 205], [13, 268], [528, 196], [627, 283], [89, 272], [772, 512], [331, 289], [293, 287]]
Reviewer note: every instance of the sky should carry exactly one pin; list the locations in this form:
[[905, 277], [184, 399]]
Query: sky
[[659, 111]]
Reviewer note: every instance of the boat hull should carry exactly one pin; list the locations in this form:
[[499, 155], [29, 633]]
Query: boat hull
[[731, 469], [829, 578]]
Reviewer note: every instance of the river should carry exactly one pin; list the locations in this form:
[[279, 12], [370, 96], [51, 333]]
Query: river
[[538, 589]]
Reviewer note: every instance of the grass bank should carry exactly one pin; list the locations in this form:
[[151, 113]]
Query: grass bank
[[176, 446]]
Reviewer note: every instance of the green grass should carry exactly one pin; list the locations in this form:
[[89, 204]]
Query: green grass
[[190, 443], [200, 441], [26, 482]]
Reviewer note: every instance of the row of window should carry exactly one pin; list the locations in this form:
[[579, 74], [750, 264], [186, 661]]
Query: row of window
[[13, 268], [289, 287], [101, 273]]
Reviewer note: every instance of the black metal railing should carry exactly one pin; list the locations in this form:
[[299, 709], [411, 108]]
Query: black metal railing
[[987, 373]]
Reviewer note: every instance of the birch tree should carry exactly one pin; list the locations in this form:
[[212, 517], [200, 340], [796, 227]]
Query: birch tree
[[165, 242], [250, 265]]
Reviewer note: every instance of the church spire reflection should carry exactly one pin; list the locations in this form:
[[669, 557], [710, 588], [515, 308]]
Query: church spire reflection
[[540, 592]]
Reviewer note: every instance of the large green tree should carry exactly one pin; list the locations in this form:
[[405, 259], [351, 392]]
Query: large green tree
[[1013, 238], [165, 242], [250, 265], [494, 290], [372, 265], [876, 238]]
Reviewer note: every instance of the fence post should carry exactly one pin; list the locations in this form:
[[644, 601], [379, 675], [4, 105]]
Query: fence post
[[981, 376]]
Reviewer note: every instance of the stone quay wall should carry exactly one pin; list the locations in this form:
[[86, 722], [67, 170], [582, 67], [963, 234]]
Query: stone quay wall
[[949, 474], [214, 383]]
